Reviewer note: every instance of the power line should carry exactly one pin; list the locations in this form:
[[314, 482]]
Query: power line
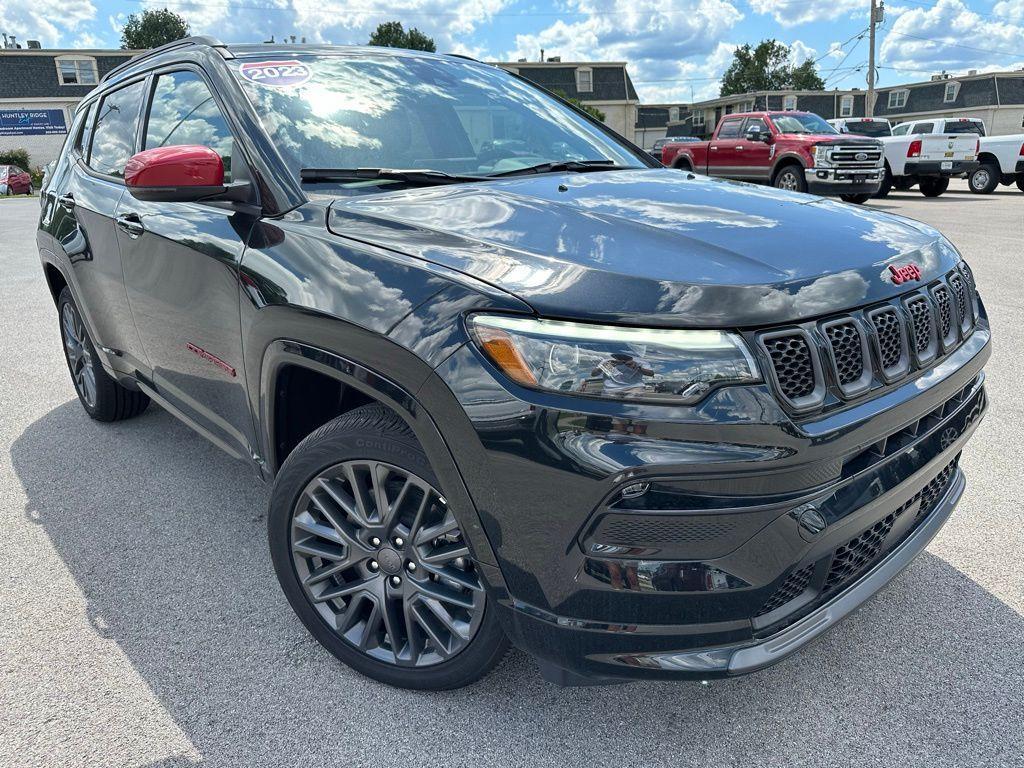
[[1018, 54]]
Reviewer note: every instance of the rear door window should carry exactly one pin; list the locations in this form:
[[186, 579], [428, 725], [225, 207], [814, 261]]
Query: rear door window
[[117, 122], [184, 111], [924, 127], [730, 129]]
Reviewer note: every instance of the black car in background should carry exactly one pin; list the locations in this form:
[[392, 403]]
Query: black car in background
[[512, 383]]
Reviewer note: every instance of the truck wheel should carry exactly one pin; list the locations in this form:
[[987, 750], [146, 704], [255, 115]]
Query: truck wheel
[[855, 199], [983, 179], [790, 178], [1020, 183], [373, 561], [933, 187], [886, 187], [100, 394]]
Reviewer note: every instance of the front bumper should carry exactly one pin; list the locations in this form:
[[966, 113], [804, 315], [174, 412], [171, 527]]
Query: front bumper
[[935, 167], [840, 181], [683, 582]]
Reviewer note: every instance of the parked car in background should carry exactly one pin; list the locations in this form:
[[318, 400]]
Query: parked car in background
[[929, 153], [659, 145], [1001, 161], [15, 181], [875, 127], [797, 151]]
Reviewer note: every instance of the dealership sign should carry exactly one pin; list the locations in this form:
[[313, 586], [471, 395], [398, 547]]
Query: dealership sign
[[32, 122]]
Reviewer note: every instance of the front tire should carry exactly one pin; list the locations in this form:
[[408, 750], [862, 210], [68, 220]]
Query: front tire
[[103, 398], [373, 561], [933, 187], [984, 179], [855, 199], [790, 178], [886, 187]]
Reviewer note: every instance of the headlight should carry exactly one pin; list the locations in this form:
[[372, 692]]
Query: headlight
[[821, 159], [665, 366]]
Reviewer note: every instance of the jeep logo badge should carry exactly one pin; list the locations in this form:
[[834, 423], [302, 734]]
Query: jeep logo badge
[[905, 273]]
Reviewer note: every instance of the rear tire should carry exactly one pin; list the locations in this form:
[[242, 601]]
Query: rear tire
[[855, 199], [380, 587], [933, 187], [790, 178], [984, 179], [103, 398]]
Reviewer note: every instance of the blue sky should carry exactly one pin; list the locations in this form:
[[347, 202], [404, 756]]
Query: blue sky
[[675, 48]]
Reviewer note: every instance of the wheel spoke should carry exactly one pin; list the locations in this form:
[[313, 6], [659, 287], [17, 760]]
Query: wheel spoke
[[446, 526], [325, 572], [363, 502], [444, 554], [342, 529], [428, 624], [444, 593], [465, 579], [346, 589], [442, 615]]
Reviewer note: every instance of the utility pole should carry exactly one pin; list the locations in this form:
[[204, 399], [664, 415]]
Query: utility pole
[[877, 16]]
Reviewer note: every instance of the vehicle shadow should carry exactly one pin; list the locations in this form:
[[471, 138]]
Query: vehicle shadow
[[165, 537]]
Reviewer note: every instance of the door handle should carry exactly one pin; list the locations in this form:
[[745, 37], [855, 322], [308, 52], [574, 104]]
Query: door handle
[[131, 224], [714, 149], [740, 148], [67, 201]]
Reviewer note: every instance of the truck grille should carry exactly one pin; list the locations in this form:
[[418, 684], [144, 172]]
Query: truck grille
[[832, 356], [856, 157]]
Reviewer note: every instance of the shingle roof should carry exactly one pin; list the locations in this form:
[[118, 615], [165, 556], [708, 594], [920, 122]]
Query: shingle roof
[[34, 75], [611, 81]]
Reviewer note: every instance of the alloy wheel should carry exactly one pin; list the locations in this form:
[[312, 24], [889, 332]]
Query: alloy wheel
[[787, 181], [382, 560], [77, 349]]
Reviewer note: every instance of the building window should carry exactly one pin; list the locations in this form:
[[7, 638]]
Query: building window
[[585, 80], [673, 114], [846, 106], [952, 89], [898, 99], [789, 103], [698, 118], [76, 71]]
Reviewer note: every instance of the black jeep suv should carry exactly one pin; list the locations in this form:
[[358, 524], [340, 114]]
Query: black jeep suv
[[512, 382]]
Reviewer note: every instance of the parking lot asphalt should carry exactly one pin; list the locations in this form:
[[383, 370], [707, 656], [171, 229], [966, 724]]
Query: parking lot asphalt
[[141, 623]]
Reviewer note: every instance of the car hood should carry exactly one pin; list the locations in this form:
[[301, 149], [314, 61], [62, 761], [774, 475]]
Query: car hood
[[652, 246]]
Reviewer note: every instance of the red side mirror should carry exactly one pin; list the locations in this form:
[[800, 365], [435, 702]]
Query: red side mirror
[[175, 174]]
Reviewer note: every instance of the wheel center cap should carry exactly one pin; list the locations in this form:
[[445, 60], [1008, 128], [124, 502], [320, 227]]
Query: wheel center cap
[[390, 561]]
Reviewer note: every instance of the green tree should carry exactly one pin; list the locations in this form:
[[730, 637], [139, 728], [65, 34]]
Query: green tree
[[594, 112], [768, 67], [153, 27], [391, 34]]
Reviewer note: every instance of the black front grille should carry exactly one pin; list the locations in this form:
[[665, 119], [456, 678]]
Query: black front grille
[[921, 323], [794, 586], [945, 311], [932, 492], [847, 350], [856, 554], [890, 337], [964, 312], [655, 530], [794, 369], [822, 364]]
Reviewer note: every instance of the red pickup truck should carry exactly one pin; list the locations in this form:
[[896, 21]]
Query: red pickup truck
[[797, 151]]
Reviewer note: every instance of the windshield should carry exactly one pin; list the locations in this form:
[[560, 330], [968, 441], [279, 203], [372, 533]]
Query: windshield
[[801, 123], [409, 112], [873, 128], [965, 126]]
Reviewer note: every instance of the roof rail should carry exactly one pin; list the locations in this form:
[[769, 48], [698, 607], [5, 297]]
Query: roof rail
[[185, 42]]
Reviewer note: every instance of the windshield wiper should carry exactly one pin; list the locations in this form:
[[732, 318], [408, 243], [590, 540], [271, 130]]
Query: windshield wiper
[[417, 176], [558, 166]]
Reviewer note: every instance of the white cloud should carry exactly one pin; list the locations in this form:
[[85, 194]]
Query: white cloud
[[801, 52], [656, 37], [790, 13], [951, 36], [1011, 10], [49, 21]]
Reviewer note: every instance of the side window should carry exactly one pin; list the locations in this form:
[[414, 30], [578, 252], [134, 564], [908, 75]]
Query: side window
[[899, 130], [755, 124], [85, 134], [730, 129], [183, 111], [113, 138], [924, 127]]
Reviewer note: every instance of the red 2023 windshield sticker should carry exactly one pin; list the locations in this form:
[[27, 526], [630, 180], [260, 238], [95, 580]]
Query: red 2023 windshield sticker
[[277, 74]]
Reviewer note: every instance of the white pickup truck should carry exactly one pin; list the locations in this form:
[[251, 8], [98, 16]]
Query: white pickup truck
[[1001, 161], [929, 153]]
